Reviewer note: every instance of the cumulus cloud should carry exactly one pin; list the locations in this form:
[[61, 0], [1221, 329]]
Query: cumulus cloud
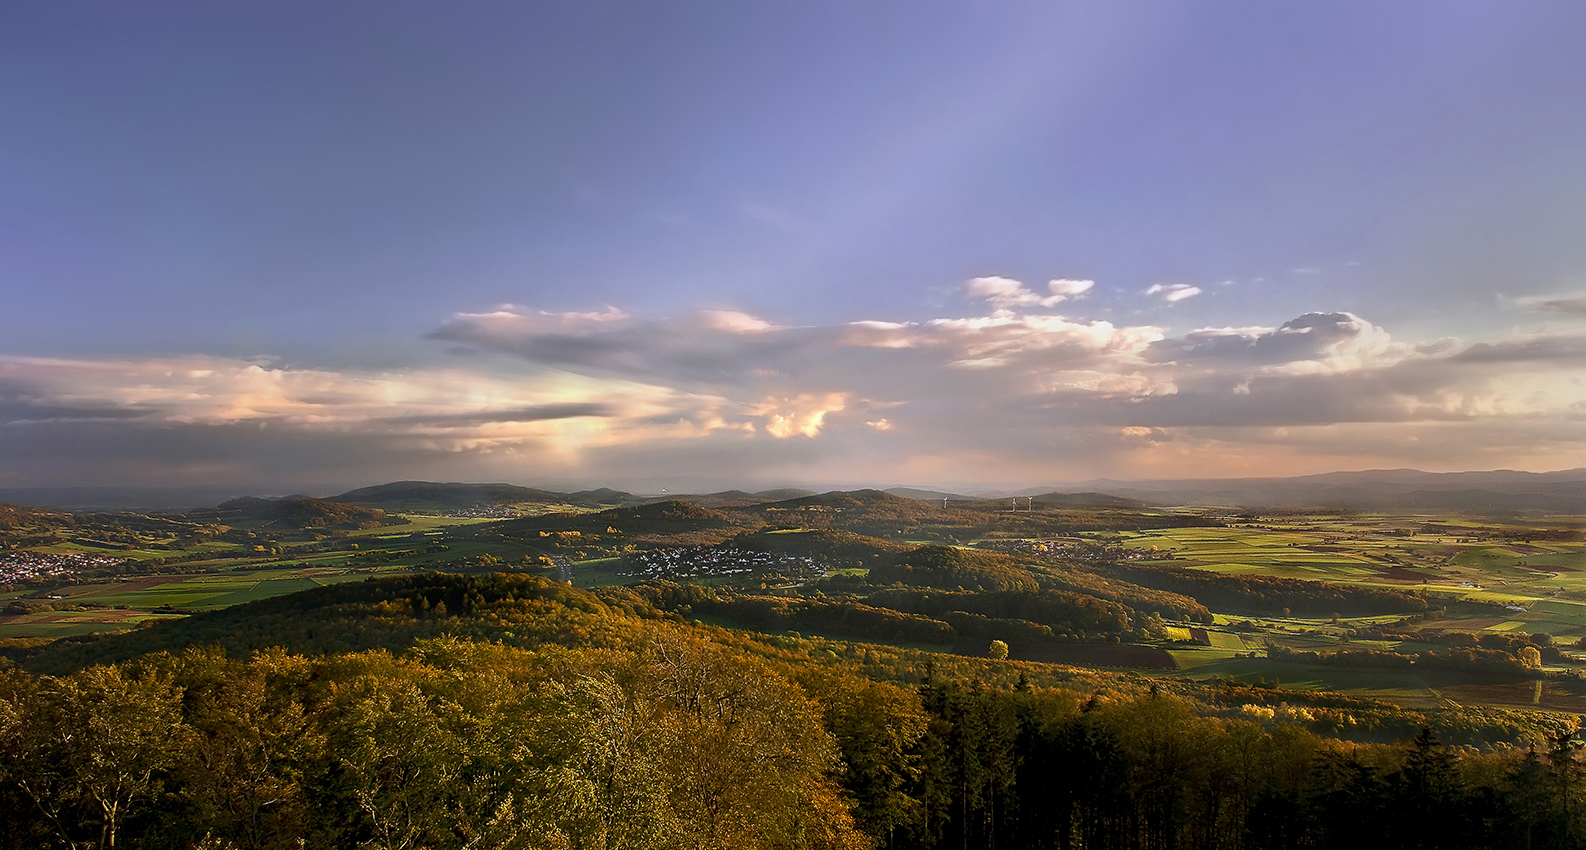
[[803, 415], [745, 357], [1174, 291], [1335, 341], [1008, 294], [600, 394]]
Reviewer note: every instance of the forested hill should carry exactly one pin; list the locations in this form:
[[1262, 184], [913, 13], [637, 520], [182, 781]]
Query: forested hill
[[298, 512], [459, 495], [389, 614], [952, 568], [19, 516], [740, 498], [669, 523], [508, 711], [879, 514]]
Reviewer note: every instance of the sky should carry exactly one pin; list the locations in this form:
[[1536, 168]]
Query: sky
[[691, 245]]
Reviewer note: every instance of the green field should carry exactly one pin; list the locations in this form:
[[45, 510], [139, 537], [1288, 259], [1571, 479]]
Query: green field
[[1547, 579], [1493, 576], [231, 573], [111, 605], [1515, 586]]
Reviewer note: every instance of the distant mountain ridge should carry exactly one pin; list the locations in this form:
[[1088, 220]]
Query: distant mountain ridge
[[1379, 489], [1087, 500], [460, 495], [928, 495], [740, 498], [1051, 500]]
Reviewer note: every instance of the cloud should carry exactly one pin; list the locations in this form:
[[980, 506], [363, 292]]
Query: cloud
[[216, 391], [1532, 348], [609, 396], [706, 347], [535, 413], [1174, 291], [745, 357], [1573, 304], [733, 322], [1006, 294], [803, 415], [1335, 341], [974, 386], [1069, 288]]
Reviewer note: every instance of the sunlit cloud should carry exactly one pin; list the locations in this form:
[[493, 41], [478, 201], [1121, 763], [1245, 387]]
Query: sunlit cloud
[[1312, 342], [803, 415], [1173, 292], [606, 396], [1008, 294]]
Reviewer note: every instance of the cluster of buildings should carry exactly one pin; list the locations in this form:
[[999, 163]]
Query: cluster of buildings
[[707, 561], [476, 512], [1076, 549], [19, 567]]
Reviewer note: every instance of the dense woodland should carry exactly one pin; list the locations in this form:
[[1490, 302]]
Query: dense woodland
[[508, 711]]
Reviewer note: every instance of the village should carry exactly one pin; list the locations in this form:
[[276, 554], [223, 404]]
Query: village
[[710, 561], [22, 567], [1076, 549]]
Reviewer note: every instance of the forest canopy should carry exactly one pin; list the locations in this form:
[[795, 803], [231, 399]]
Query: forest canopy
[[510, 711]]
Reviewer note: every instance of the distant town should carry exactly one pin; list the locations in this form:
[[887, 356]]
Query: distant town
[[24, 566], [708, 561], [1074, 548]]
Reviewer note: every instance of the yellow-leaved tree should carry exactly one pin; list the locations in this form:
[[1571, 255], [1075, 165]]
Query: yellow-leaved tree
[[746, 749]]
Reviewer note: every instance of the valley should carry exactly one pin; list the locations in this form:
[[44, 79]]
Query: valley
[[1205, 594], [444, 670]]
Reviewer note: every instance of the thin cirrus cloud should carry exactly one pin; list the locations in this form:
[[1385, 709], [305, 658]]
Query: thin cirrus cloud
[[1571, 304], [1011, 391]]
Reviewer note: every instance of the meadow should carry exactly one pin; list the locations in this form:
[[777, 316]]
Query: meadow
[[1486, 575], [110, 605], [220, 574], [1539, 582]]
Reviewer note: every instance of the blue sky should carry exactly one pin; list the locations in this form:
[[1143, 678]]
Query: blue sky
[[328, 244]]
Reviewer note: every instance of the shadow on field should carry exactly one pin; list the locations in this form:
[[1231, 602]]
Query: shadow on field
[[1079, 654]]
